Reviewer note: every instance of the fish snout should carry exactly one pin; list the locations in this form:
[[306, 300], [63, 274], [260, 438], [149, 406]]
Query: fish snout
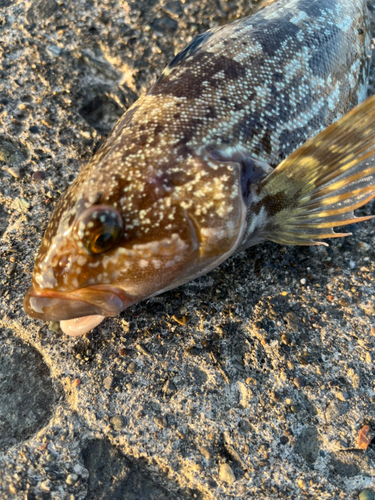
[[49, 305]]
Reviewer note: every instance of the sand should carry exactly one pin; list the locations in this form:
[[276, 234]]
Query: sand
[[251, 382]]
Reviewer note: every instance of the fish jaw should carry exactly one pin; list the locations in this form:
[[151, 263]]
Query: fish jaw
[[50, 305]]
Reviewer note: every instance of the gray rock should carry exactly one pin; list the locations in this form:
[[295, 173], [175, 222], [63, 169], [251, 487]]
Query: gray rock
[[308, 444]]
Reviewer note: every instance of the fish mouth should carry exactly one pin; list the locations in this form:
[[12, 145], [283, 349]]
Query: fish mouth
[[50, 305]]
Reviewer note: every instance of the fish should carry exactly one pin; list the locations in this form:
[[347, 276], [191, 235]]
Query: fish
[[258, 130]]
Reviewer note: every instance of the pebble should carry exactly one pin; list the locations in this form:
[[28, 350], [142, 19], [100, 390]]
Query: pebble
[[342, 396], [295, 408], [118, 422], [13, 489], [107, 382], [205, 452], [299, 382], [15, 171], [71, 479], [54, 326], [344, 302], [38, 176], [364, 247], [292, 320], [301, 484], [131, 368], [366, 495], [10, 270], [20, 204], [285, 339], [10, 153], [46, 485], [275, 396], [226, 474], [53, 50], [161, 422]]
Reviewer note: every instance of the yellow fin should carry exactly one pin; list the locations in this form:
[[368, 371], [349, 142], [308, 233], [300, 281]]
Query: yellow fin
[[319, 185]]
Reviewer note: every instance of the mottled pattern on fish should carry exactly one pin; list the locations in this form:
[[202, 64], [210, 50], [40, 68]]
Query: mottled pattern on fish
[[242, 96]]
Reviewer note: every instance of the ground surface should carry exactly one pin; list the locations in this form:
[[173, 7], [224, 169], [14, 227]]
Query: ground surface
[[260, 395]]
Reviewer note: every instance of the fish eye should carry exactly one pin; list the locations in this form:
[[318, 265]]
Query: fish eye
[[98, 229]]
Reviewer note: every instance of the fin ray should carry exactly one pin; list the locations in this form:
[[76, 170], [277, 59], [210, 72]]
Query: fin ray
[[320, 184]]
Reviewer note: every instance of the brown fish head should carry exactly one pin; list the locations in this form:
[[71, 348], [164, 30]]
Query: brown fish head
[[100, 254]]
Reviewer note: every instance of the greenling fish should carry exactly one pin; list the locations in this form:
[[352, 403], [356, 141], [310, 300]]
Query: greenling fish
[[229, 148]]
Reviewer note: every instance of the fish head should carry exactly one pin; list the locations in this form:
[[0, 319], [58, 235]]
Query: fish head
[[113, 241], [94, 260]]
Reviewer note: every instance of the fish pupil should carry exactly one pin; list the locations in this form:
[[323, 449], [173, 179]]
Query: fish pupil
[[103, 242]]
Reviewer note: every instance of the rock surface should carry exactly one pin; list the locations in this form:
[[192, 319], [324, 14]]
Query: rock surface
[[259, 393]]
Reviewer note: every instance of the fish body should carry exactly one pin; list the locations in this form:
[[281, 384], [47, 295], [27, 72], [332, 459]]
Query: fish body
[[202, 166]]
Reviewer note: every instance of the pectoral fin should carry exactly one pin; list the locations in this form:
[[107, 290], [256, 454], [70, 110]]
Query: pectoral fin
[[319, 185]]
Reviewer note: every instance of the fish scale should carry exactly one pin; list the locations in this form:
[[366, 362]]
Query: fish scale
[[229, 148]]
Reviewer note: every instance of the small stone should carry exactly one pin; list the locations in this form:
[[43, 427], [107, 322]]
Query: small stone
[[205, 452], [226, 474], [10, 270], [366, 495], [131, 368], [299, 382], [289, 401], [38, 176], [364, 247], [169, 387], [355, 380], [53, 50], [118, 422], [15, 171], [373, 330], [295, 408], [292, 320], [290, 365], [71, 479], [13, 489], [303, 281], [301, 484], [161, 422], [54, 326], [107, 382], [46, 485], [344, 303], [275, 396], [20, 204], [342, 396], [284, 440], [285, 339]]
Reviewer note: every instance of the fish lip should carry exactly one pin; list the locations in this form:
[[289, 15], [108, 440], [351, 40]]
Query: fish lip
[[50, 305]]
